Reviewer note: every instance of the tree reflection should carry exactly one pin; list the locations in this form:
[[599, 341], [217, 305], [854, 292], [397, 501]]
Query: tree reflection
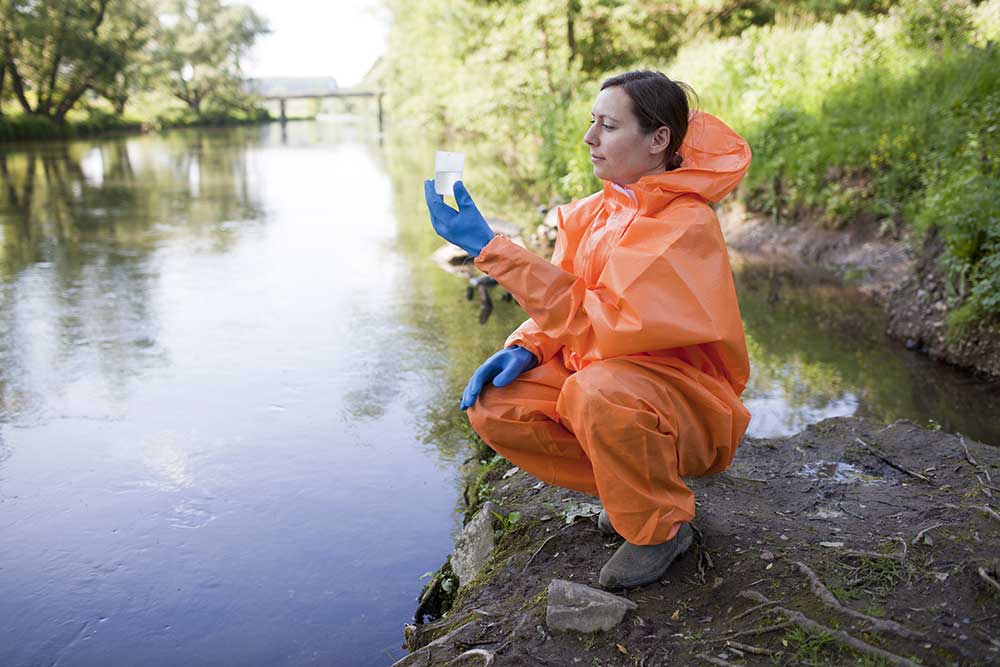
[[81, 224]]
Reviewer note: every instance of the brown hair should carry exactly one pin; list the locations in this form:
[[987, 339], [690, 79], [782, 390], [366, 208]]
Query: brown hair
[[657, 101]]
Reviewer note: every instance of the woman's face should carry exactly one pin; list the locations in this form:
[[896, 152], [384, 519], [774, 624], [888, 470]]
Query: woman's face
[[620, 151]]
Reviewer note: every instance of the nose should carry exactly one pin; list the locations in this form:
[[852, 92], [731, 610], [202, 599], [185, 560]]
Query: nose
[[590, 136]]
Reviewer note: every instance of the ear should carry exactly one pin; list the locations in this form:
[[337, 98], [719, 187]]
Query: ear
[[661, 139]]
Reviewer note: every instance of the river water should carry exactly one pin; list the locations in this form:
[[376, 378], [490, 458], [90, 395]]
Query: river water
[[229, 378]]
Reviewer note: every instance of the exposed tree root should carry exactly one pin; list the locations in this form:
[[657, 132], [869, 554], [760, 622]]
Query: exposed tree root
[[806, 623], [876, 624]]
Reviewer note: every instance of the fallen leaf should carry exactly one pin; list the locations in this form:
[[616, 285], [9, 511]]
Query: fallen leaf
[[676, 615], [621, 648]]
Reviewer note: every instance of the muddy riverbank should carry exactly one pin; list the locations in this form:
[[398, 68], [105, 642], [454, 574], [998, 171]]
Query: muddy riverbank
[[848, 532]]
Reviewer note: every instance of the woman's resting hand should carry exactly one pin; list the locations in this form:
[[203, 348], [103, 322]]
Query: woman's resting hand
[[466, 227], [502, 368]]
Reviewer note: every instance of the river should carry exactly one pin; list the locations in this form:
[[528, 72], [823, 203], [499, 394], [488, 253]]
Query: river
[[229, 379]]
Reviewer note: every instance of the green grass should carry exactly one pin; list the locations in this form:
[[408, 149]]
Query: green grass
[[891, 122]]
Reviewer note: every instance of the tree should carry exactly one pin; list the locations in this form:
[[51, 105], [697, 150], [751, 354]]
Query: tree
[[202, 44], [54, 52]]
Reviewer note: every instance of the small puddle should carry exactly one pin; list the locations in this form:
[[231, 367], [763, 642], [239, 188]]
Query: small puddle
[[837, 472]]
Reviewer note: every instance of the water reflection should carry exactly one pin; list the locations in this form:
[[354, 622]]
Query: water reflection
[[80, 224], [817, 350], [208, 388]]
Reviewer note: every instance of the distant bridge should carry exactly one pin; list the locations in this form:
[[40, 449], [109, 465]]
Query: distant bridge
[[308, 89]]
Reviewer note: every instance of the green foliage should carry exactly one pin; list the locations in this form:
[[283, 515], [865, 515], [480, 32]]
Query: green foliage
[[200, 47], [934, 22], [55, 52], [29, 127], [59, 57], [857, 121]]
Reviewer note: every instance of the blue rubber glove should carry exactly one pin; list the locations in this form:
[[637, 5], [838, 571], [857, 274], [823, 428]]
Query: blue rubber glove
[[502, 368], [466, 227]]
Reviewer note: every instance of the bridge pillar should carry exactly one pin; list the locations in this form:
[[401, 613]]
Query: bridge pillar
[[284, 116], [379, 97]]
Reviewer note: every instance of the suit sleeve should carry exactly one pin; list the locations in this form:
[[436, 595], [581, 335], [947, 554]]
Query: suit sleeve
[[529, 335], [662, 287]]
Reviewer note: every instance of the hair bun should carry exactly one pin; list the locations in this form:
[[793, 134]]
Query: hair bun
[[674, 161]]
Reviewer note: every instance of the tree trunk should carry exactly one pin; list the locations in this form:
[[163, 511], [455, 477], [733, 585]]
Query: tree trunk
[[120, 103], [68, 102], [571, 10], [3, 76], [18, 84]]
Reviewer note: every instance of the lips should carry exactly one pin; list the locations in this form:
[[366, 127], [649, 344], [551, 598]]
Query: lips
[[595, 158]]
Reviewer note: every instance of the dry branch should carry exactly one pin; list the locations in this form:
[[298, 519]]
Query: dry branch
[[756, 650], [751, 610], [716, 661], [984, 575], [885, 459], [924, 532]]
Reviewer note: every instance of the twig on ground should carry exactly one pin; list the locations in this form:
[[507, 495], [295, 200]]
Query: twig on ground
[[537, 551], [885, 459], [968, 456], [903, 542], [748, 633], [985, 576], [806, 623], [751, 610], [872, 554], [992, 514], [924, 532], [715, 661], [756, 650], [847, 511], [746, 479], [478, 652], [876, 624]]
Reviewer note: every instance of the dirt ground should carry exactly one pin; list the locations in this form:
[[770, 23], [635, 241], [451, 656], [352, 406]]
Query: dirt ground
[[918, 548]]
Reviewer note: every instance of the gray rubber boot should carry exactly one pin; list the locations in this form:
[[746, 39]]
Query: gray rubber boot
[[604, 523], [637, 565]]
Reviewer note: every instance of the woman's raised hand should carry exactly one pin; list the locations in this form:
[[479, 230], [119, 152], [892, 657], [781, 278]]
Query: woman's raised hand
[[466, 227], [502, 369]]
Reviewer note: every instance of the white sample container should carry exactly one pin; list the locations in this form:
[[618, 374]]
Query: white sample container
[[448, 168]]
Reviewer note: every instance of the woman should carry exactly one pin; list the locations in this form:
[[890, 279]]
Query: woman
[[627, 376]]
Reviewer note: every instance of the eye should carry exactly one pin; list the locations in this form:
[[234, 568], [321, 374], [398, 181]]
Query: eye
[[607, 127]]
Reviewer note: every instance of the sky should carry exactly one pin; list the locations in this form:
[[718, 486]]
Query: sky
[[338, 38]]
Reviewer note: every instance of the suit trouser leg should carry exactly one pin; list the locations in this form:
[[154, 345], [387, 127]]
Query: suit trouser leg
[[625, 429]]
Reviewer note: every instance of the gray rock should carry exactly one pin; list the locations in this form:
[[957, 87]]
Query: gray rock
[[474, 545], [573, 606]]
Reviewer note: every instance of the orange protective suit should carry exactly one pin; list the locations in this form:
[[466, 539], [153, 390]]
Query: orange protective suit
[[640, 344]]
